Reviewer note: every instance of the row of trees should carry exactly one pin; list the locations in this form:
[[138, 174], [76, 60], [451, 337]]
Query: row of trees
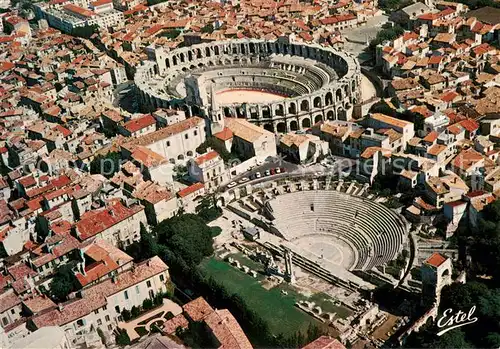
[[147, 304]]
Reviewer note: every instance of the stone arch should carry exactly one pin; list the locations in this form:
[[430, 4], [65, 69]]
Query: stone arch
[[304, 105], [281, 127], [190, 55], [268, 47], [180, 157], [292, 108], [293, 125], [207, 51], [269, 127], [189, 153], [318, 118], [192, 66], [280, 110], [338, 94], [266, 111], [198, 53], [182, 57], [251, 47], [330, 115], [242, 49], [341, 114], [329, 98], [317, 102], [167, 62], [216, 50], [174, 60], [227, 112], [306, 123]]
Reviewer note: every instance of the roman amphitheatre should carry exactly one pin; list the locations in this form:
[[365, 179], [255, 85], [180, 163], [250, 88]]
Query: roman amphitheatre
[[279, 85]]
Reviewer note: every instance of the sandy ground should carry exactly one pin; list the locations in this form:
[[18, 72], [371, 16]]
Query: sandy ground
[[246, 96], [367, 89]]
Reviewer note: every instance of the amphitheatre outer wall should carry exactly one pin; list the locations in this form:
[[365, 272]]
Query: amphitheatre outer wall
[[320, 83]]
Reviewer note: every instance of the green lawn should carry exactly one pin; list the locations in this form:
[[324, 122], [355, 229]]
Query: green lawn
[[244, 260], [278, 310]]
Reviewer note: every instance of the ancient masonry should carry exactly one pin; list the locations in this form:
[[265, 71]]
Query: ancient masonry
[[318, 83]]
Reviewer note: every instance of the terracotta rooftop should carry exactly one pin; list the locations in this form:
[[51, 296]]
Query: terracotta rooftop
[[436, 259], [97, 221], [206, 157], [325, 342], [95, 296], [226, 330], [198, 309], [191, 189]]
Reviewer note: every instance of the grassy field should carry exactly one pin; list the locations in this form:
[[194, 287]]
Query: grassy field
[[278, 310]]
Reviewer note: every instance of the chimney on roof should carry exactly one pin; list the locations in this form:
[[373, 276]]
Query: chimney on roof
[[60, 307]]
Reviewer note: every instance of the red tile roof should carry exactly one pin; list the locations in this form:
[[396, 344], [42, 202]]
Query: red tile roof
[[95, 296], [135, 125], [226, 330], [224, 135], [436, 259], [191, 189], [198, 309], [79, 10], [8, 300], [206, 157], [95, 222], [325, 342]]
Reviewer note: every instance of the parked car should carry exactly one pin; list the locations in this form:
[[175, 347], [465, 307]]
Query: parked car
[[277, 170], [232, 184], [267, 173], [282, 169], [258, 175], [244, 179]]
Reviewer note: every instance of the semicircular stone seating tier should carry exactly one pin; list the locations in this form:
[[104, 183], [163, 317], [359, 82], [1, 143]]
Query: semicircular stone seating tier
[[374, 232]]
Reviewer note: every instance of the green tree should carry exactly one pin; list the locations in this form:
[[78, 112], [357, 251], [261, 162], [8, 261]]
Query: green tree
[[208, 209], [188, 236], [135, 312], [213, 143], [126, 314], [106, 165], [122, 338], [171, 34], [209, 28], [86, 31], [386, 34], [63, 283], [147, 304]]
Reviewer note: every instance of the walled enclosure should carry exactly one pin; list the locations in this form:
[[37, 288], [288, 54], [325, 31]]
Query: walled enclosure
[[319, 83]]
